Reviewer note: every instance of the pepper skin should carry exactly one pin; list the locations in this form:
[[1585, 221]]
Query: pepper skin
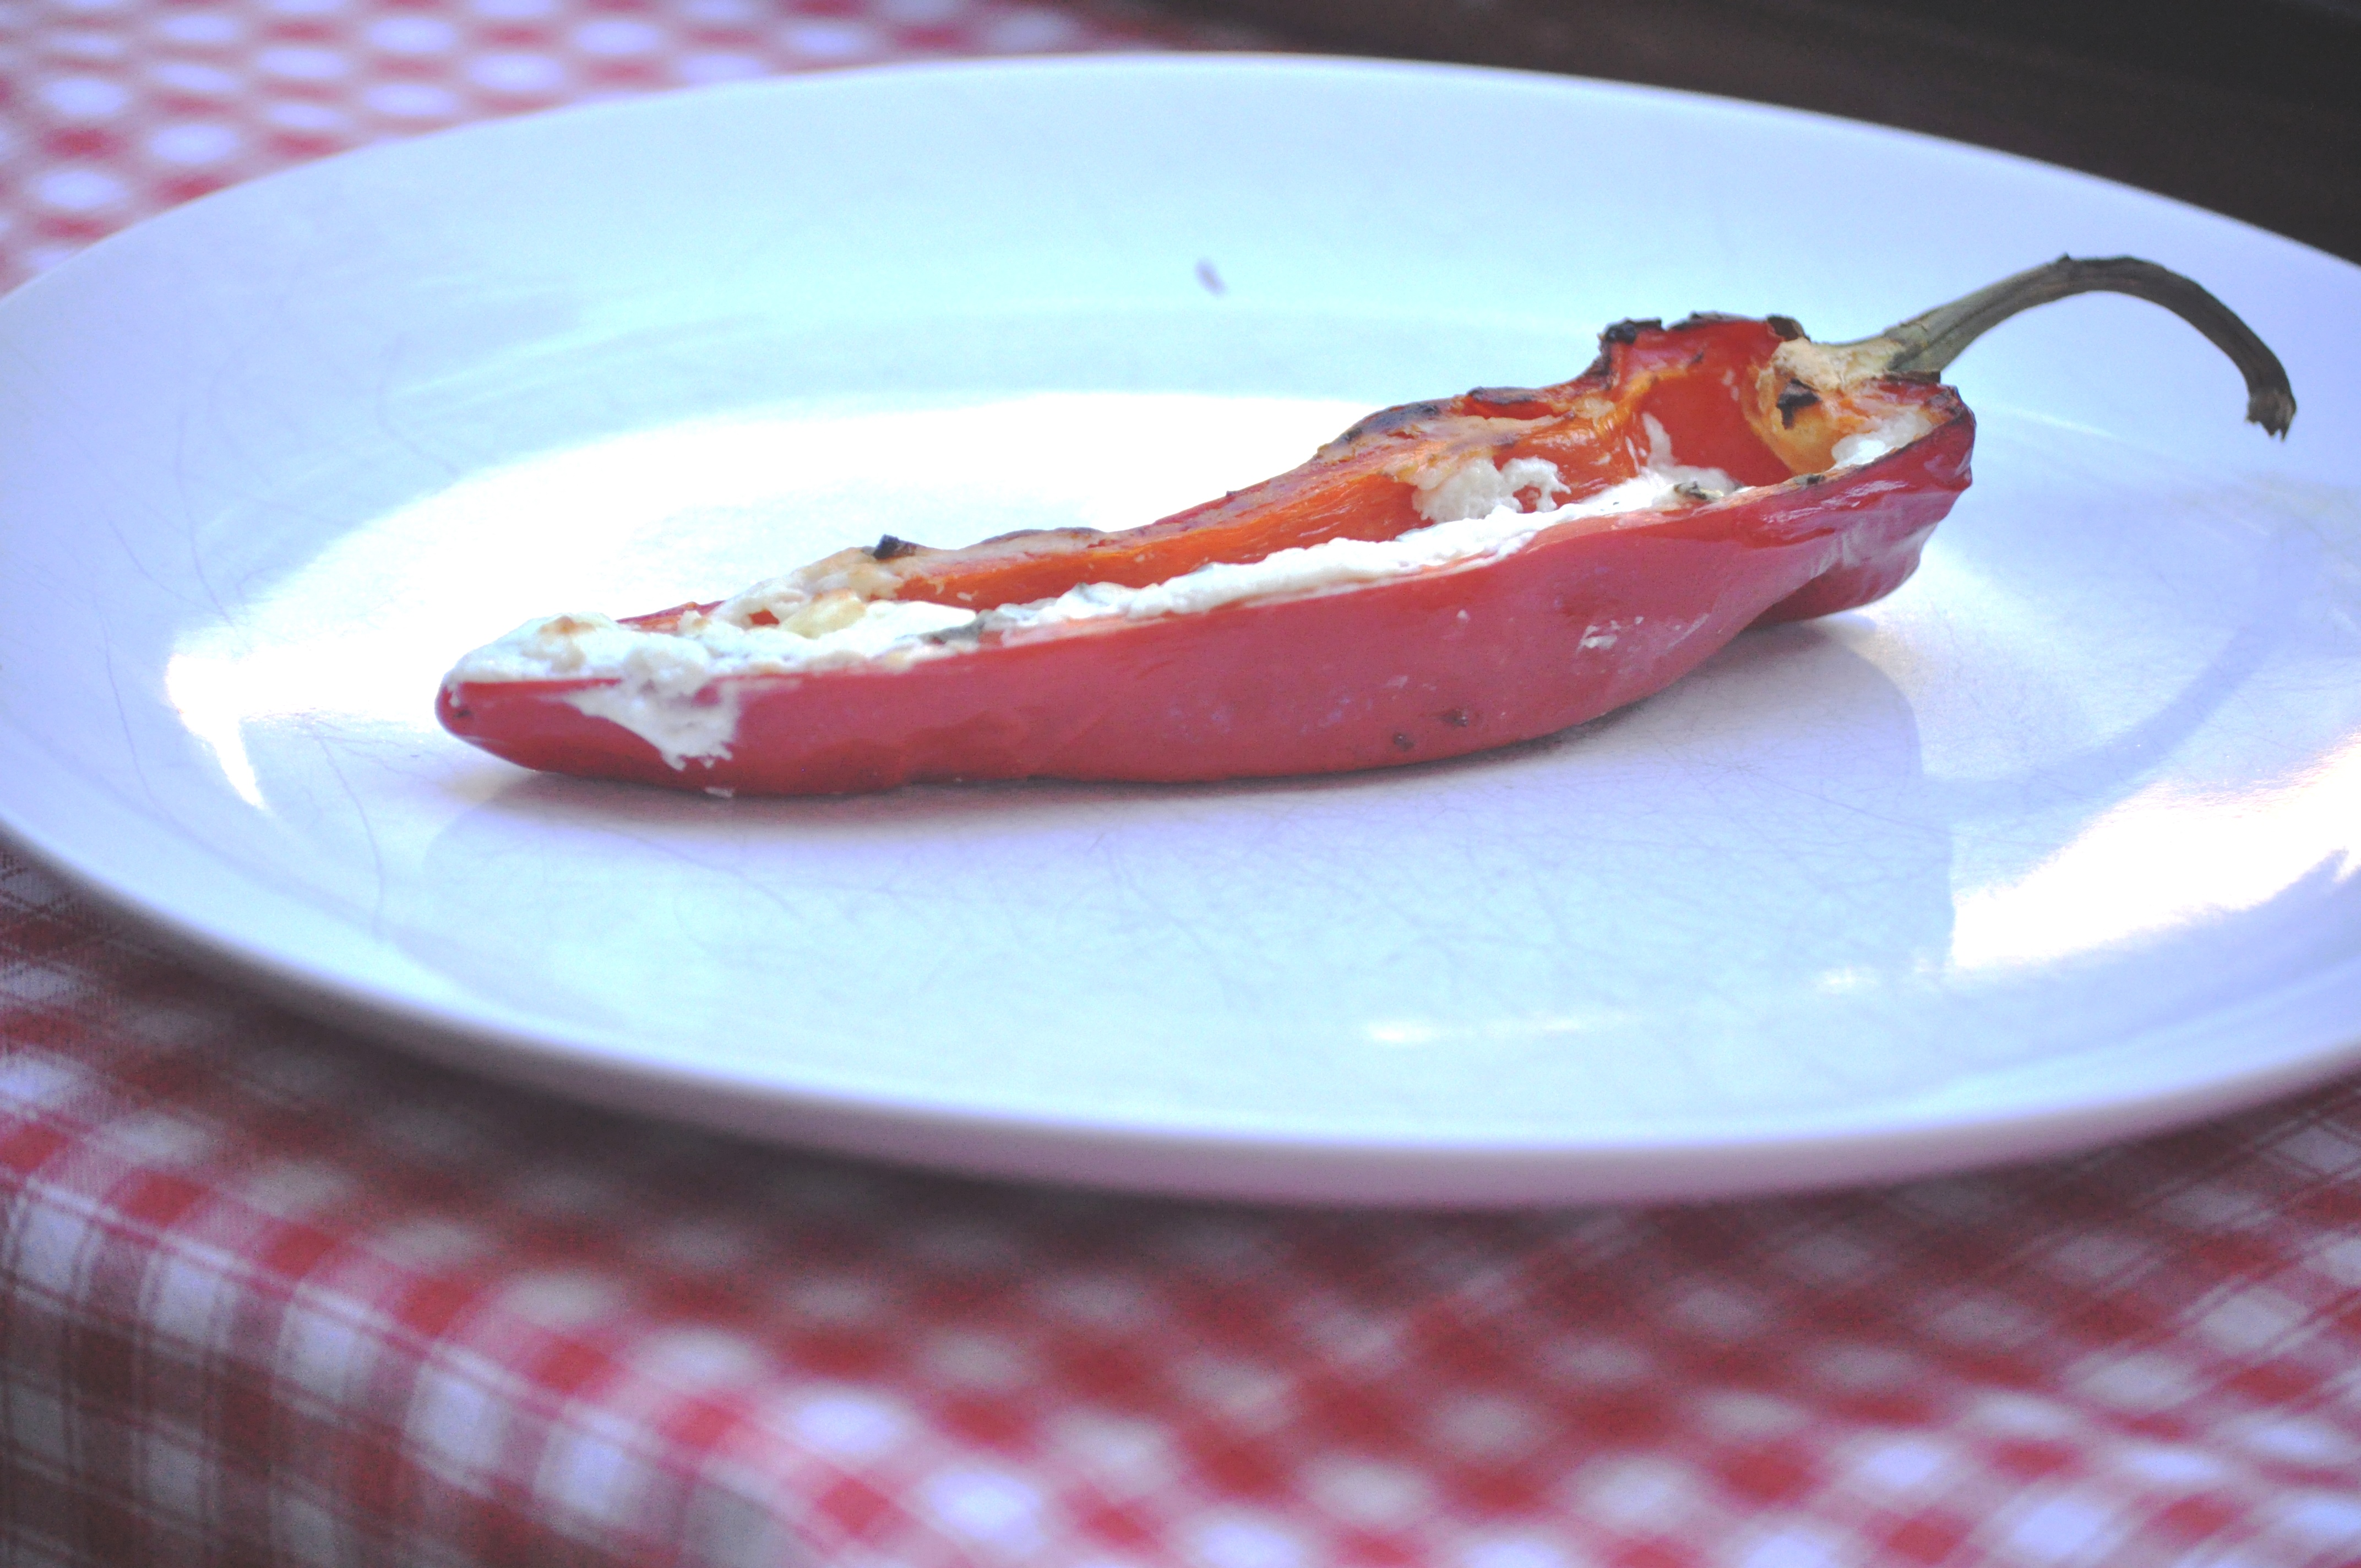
[[1590, 615]]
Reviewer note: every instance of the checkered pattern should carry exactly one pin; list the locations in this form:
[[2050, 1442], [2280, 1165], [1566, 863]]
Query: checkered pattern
[[268, 1296], [111, 110], [274, 1297]]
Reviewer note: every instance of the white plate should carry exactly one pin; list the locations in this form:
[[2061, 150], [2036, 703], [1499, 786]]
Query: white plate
[[2055, 845]]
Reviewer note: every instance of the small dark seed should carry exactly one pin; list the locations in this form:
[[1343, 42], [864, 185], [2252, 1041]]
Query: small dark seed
[[1630, 331], [1794, 399], [888, 548], [1403, 742], [1459, 718]]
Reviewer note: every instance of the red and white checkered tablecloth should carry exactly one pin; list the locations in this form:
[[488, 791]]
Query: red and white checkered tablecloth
[[271, 1294]]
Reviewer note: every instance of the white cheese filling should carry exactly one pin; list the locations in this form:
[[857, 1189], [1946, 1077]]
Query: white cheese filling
[[1452, 540], [1892, 433], [662, 678], [666, 685]]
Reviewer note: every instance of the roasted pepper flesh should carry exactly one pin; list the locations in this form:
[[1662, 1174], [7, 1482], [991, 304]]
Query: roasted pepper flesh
[[1363, 484], [1823, 469]]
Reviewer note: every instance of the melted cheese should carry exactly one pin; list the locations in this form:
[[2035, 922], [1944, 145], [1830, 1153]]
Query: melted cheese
[[667, 686]]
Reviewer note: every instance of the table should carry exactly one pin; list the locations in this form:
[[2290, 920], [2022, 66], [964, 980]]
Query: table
[[2244, 106], [269, 1294]]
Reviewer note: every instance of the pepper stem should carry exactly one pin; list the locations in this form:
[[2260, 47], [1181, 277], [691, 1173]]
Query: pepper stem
[[1932, 340]]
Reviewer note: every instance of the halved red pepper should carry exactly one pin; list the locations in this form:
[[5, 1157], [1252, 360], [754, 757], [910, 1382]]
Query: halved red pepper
[[1827, 467]]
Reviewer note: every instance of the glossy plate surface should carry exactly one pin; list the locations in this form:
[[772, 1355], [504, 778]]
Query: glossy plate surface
[[2055, 845]]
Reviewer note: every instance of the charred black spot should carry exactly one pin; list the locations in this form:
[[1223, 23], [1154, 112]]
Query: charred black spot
[[1794, 399], [1392, 419], [1697, 359], [1403, 742], [888, 548], [1504, 397], [1630, 331], [1788, 328], [1074, 534], [1458, 717], [1696, 319], [1811, 478]]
